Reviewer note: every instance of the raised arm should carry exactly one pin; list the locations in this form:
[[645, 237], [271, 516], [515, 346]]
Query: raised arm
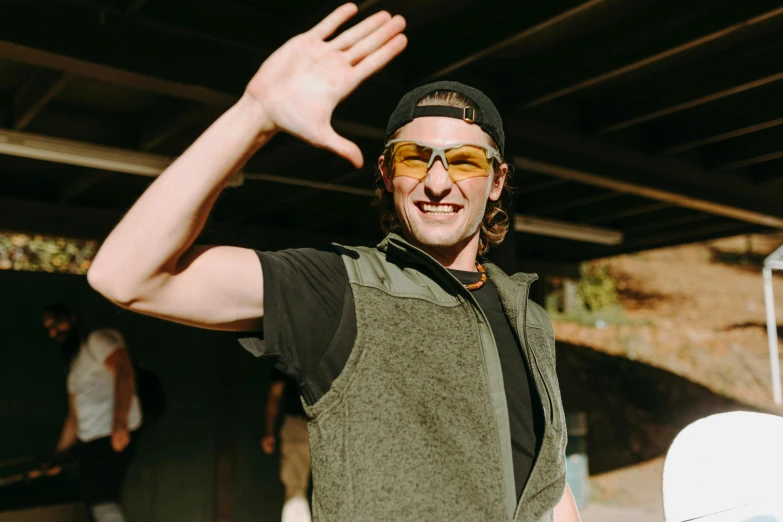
[[149, 263]]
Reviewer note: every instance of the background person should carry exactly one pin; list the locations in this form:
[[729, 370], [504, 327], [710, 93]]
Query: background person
[[104, 414], [294, 446]]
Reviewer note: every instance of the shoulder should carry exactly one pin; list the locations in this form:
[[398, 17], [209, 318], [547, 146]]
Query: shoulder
[[538, 318], [103, 342], [371, 268], [105, 337], [364, 265], [322, 262], [301, 256]]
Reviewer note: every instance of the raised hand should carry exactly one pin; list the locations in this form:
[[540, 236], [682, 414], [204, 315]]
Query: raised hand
[[302, 82]]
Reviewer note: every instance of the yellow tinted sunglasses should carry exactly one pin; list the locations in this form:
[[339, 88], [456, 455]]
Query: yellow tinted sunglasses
[[413, 159]]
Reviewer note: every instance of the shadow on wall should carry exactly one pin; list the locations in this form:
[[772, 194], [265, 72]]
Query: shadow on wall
[[634, 410], [762, 326]]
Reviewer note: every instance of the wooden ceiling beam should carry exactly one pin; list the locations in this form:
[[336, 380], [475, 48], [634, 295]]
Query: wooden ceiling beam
[[593, 161], [609, 215], [740, 71], [666, 54], [704, 205], [33, 96], [709, 127], [548, 24], [570, 203], [745, 151]]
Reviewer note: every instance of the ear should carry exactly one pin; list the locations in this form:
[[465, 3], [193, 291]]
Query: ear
[[498, 183], [386, 175]]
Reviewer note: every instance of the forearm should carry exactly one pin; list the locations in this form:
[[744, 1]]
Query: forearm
[[566, 510], [271, 415], [68, 434], [124, 389], [162, 225]]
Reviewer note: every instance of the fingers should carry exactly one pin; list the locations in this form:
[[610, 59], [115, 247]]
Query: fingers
[[344, 148], [338, 17], [376, 39], [361, 30], [378, 59]]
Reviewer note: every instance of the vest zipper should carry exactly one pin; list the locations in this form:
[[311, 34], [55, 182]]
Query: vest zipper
[[508, 482], [532, 361]]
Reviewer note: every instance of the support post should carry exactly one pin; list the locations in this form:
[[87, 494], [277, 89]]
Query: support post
[[772, 337]]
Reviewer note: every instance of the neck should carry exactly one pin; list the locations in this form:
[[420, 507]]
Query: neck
[[461, 256]]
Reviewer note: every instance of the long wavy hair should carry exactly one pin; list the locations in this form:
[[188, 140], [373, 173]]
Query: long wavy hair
[[494, 225]]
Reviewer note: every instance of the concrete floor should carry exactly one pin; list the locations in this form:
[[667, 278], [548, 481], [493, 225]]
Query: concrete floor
[[605, 513]]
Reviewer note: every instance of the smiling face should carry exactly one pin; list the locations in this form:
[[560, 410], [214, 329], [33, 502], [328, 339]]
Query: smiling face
[[437, 214]]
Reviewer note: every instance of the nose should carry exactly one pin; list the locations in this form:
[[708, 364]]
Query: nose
[[438, 184]]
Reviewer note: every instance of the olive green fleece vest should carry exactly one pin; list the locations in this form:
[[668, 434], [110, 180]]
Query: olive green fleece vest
[[416, 426]]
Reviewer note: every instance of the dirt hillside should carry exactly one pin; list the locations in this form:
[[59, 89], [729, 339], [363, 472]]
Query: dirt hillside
[[697, 311]]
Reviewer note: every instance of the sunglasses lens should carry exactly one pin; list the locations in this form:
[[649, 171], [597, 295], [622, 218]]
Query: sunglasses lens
[[410, 160], [466, 161]]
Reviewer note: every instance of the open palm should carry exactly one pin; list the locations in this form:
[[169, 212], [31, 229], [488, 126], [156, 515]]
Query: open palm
[[302, 82]]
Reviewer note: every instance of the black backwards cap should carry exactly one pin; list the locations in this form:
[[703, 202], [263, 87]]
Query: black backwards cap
[[485, 116]]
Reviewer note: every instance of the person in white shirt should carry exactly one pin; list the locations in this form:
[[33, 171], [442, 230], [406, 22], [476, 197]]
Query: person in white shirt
[[104, 413]]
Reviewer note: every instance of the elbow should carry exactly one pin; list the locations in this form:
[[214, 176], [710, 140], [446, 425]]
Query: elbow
[[111, 286]]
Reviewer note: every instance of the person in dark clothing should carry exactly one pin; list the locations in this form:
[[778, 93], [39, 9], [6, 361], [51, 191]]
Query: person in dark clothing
[[294, 446], [427, 372]]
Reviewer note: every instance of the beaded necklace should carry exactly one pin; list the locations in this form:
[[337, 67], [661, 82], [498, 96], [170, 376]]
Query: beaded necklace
[[478, 284]]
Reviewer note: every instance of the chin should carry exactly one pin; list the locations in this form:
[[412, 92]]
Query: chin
[[438, 238]]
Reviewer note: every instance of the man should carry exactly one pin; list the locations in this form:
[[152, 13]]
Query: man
[[427, 401], [104, 413], [294, 447]]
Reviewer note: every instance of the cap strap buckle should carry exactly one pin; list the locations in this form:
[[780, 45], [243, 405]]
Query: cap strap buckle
[[469, 114]]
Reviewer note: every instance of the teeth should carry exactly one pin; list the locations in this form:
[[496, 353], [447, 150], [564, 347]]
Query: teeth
[[438, 209]]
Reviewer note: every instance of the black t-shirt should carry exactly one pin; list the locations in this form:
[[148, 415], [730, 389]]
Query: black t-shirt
[[310, 328]]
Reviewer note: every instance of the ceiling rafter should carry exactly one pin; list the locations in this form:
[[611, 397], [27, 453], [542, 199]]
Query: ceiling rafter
[[609, 215], [745, 151], [515, 39], [656, 58], [31, 98], [690, 103], [717, 135], [695, 203]]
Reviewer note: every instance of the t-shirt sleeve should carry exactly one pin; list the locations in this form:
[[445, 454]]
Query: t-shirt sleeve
[[102, 343], [304, 294]]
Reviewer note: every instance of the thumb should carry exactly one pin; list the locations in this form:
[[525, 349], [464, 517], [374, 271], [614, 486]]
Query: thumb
[[343, 148]]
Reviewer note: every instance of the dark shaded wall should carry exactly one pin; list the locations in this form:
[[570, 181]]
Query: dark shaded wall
[[634, 410], [215, 393]]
